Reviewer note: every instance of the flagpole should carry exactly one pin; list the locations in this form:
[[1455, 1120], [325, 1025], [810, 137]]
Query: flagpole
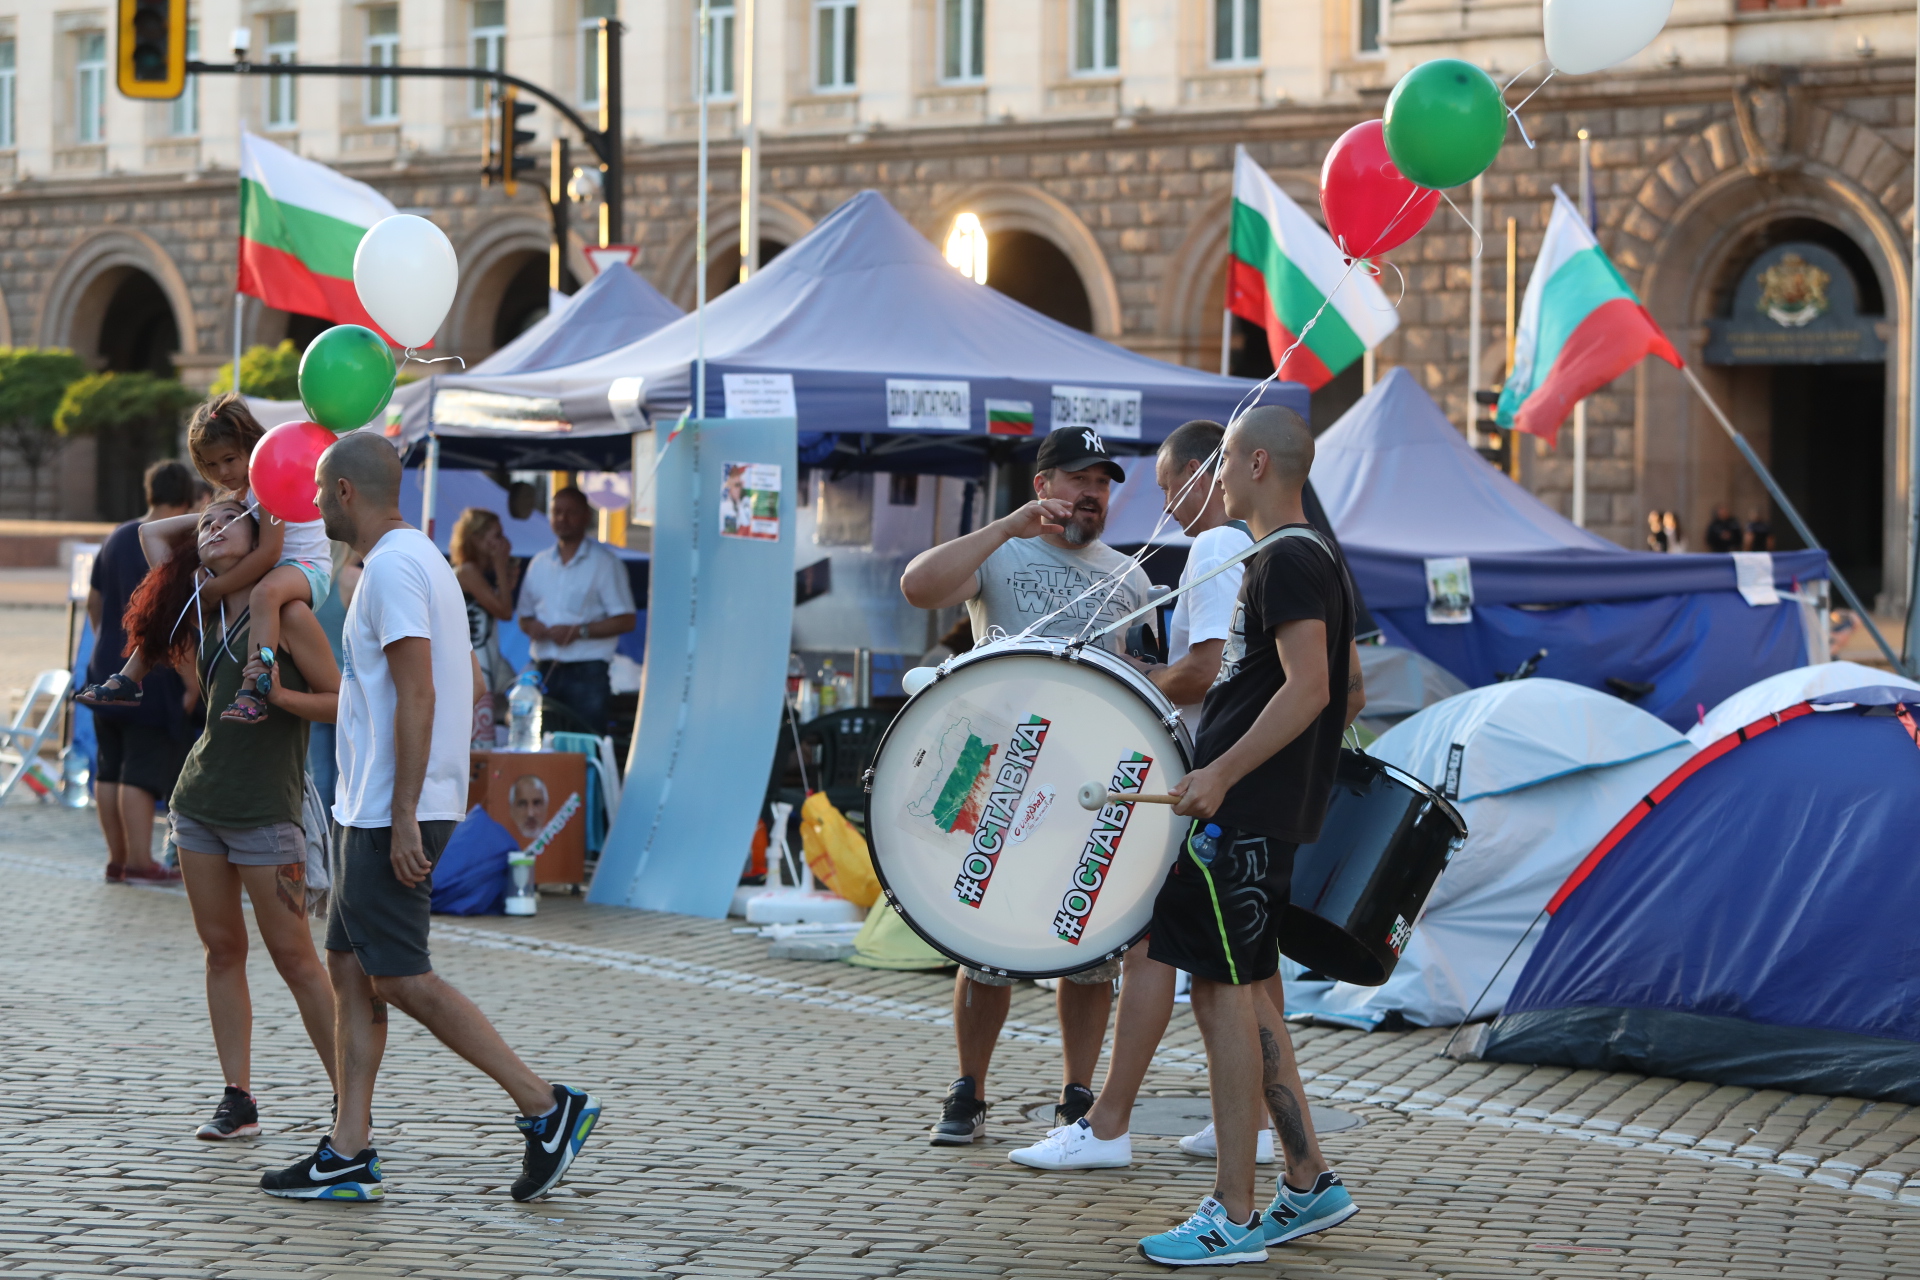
[[1911, 642], [1793, 516], [700, 218], [1226, 334], [242, 38], [1580, 409]]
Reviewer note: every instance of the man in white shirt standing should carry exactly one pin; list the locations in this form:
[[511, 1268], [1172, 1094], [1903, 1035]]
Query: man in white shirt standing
[[575, 604], [404, 720]]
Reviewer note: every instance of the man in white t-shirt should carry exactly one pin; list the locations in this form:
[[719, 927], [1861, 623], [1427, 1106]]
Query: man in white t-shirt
[[404, 721]]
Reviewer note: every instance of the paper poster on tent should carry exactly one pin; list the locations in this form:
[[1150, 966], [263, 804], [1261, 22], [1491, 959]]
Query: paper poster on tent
[[1115, 414], [759, 395], [1753, 576], [917, 405], [750, 501], [1449, 589]]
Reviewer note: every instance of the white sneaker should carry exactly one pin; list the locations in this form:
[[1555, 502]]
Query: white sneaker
[[1073, 1146], [1202, 1144]]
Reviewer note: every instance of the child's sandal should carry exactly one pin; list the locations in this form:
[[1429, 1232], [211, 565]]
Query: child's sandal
[[116, 690], [247, 707]]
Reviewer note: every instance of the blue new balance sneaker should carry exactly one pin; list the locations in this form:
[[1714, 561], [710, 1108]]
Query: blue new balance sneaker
[[1301, 1213], [1207, 1239], [553, 1140]]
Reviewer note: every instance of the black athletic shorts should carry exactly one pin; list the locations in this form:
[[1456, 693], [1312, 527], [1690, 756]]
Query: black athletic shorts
[[373, 915], [138, 755], [1221, 921]]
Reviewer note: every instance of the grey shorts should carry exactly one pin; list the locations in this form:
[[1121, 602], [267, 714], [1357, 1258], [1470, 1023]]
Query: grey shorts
[[373, 915], [269, 846], [1105, 971]]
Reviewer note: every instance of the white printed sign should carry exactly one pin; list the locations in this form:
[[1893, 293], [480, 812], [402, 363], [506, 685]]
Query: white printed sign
[[914, 405], [1115, 414], [759, 395], [1753, 575]]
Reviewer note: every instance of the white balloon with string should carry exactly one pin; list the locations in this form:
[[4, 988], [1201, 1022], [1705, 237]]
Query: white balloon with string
[[405, 272], [1584, 36]]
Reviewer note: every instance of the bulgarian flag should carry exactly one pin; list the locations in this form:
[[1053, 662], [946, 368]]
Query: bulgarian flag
[[1580, 328], [1284, 270], [300, 223]]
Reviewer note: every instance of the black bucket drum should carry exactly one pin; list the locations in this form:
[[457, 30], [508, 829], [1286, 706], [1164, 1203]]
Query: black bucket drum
[[1358, 889]]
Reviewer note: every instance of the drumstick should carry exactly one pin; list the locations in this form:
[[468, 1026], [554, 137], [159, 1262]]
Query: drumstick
[[1093, 795]]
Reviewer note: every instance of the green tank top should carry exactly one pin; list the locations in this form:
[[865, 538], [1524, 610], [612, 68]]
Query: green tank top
[[242, 775]]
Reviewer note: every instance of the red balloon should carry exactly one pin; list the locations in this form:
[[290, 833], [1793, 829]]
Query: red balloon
[[280, 472], [1370, 208]]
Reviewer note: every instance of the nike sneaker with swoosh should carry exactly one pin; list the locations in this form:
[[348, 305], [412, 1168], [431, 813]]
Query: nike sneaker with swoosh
[[553, 1140], [328, 1175]]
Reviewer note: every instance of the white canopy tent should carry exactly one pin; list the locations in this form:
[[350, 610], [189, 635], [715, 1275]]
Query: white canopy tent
[[1541, 770]]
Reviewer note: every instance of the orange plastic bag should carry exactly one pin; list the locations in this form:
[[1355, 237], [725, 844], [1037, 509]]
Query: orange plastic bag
[[836, 852]]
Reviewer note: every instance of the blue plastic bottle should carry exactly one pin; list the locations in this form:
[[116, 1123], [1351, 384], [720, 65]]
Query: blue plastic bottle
[[1205, 844]]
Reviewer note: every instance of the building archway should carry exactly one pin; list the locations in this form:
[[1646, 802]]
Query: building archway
[[123, 277], [503, 286], [1015, 217], [781, 225]]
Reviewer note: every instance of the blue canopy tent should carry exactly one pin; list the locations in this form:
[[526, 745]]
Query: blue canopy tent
[[1402, 486], [895, 360], [1751, 921]]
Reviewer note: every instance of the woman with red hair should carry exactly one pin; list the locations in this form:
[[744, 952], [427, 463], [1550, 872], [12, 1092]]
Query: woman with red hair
[[236, 811]]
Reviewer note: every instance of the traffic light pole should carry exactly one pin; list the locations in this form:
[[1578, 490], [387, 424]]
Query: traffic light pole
[[604, 141]]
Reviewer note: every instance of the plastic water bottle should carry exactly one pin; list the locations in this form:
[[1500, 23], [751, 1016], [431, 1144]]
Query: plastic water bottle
[[1205, 844], [523, 713]]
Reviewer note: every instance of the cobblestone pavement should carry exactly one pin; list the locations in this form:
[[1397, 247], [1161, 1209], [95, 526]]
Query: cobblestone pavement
[[768, 1118]]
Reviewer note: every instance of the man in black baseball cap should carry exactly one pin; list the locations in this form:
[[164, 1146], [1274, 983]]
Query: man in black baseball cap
[[1045, 567]]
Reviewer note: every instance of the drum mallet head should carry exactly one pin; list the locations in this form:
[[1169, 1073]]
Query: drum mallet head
[[1093, 795]]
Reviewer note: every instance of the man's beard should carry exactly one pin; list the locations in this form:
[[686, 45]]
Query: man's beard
[[1083, 526]]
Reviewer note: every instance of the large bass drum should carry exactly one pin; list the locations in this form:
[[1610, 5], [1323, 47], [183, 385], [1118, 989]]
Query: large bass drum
[[978, 834], [1359, 888]]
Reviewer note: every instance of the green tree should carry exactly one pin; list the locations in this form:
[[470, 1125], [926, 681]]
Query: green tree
[[272, 373], [136, 418], [32, 382]]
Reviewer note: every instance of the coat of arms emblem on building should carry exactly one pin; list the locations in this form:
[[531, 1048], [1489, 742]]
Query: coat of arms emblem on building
[[1793, 291]]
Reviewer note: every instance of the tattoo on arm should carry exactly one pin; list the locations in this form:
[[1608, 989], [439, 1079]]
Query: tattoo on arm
[[1281, 1102], [1353, 682], [379, 1018], [290, 886]]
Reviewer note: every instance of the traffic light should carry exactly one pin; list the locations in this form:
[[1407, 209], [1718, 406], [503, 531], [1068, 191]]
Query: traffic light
[[513, 140], [153, 48]]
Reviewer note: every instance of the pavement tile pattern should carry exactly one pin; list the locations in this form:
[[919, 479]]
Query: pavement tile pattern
[[768, 1117]]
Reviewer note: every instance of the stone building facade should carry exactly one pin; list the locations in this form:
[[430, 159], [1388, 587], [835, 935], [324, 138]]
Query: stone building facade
[[1106, 198]]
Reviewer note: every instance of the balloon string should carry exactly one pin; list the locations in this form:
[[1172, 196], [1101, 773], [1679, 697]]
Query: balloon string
[[1514, 110], [408, 355], [1479, 242]]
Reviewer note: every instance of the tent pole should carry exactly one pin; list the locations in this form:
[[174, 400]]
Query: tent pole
[[702, 79], [749, 152], [1911, 642], [430, 486], [1473, 316], [1793, 517], [1226, 340], [1580, 409]]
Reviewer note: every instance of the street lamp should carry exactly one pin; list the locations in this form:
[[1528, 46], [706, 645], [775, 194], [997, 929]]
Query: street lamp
[[967, 247]]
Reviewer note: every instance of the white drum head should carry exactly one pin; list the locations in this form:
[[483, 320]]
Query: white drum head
[[975, 818]]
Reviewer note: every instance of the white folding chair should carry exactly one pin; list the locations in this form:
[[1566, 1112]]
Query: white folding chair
[[20, 742]]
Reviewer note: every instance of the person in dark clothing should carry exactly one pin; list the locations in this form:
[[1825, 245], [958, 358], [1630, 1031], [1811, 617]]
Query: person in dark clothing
[[1759, 533], [1724, 533], [142, 745]]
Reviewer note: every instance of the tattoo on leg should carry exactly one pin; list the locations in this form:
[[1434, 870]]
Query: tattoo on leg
[[1285, 1108], [290, 886], [379, 1013]]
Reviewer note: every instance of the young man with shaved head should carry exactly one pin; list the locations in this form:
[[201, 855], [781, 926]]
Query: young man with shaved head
[[405, 718], [1264, 765]]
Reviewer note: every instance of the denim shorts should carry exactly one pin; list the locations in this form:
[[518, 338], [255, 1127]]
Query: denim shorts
[[1105, 971], [275, 845], [319, 579]]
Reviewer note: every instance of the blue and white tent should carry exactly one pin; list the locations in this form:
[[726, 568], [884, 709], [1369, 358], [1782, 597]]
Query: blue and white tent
[[893, 359], [1402, 487], [1540, 770], [1751, 921]]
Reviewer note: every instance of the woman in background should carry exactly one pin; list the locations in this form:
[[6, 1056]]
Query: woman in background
[[483, 564]]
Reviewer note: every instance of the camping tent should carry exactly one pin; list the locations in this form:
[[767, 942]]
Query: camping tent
[[889, 358], [1777, 693], [1751, 921], [1403, 487], [1540, 770]]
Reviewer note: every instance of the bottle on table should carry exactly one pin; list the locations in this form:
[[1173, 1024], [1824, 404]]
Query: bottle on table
[[523, 713]]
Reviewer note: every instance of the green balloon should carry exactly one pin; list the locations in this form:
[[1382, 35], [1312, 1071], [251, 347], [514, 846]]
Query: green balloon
[[1445, 122], [346, 377]]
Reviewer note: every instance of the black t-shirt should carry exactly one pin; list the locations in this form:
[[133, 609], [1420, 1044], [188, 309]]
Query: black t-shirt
[[1285, 797], [1724, 535], [117, 571]]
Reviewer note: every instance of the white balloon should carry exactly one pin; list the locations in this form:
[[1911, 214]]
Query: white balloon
[[405, 272], [1592, 35]]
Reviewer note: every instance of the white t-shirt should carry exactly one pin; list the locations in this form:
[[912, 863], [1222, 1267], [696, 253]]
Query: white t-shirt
[[408, 590], [1206, 612], [591, 586]]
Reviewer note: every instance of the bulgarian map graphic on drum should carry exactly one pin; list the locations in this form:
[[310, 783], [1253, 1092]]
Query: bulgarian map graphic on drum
[[974, 822]]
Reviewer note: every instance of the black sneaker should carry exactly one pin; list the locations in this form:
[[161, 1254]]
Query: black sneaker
[[1075, 1101], [328, 1175], [235, 1117], [553, 1140], [963, 1117]]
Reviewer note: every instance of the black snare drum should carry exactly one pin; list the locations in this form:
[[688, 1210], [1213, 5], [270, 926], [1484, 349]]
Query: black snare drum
[[1358, 890]]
